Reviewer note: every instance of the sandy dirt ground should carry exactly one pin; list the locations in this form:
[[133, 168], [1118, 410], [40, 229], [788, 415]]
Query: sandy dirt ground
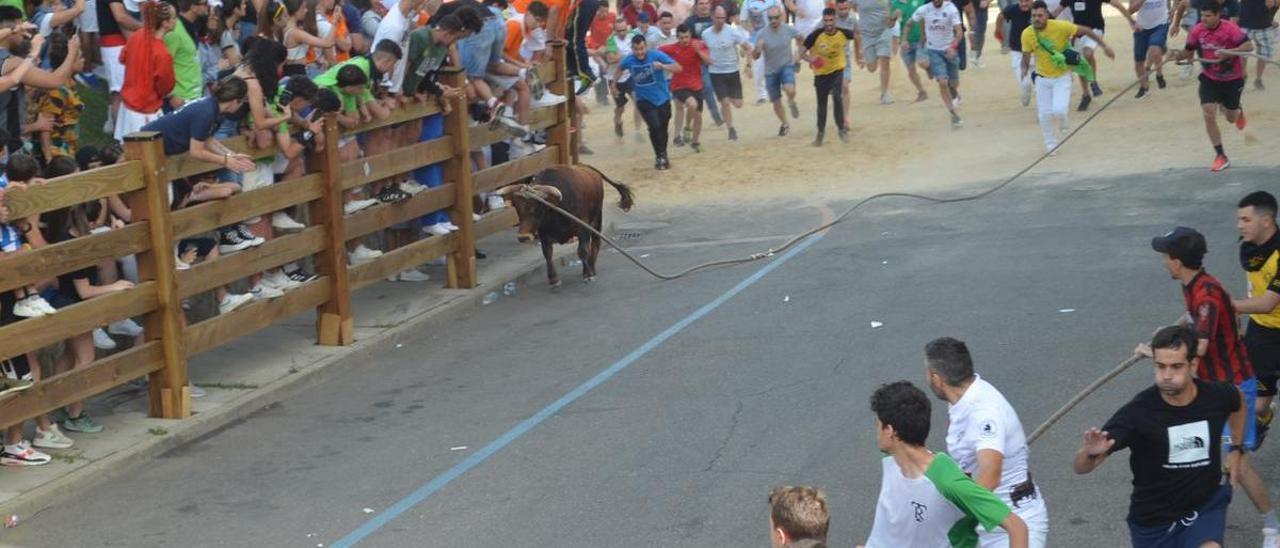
[[909, 145]]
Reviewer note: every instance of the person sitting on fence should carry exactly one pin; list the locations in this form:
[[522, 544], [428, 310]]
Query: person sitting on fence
[[148, 73], [17, 234]]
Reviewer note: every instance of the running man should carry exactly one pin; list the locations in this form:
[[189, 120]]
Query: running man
[[1088, 13], [773, 44], [723, 44], [699, 22], [911, 44], [1260, 258], [1258, 19], [875, 29], [1220, 354], [1017, 16], [1048, 39], [1174, 431], [755, 17], [824, 50], [848, 20], [648, 70], [686, 85], [985, 437], [925, 498], [942, 34], [1217, 44], [1150, 41]]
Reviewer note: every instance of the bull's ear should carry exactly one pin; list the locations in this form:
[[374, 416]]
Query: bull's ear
[[549, 193]]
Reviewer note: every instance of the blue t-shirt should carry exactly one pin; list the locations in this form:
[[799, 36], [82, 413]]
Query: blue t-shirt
[[650, 83], [195, 120]]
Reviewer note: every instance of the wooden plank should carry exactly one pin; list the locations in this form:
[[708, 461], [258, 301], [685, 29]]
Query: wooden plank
[[35, 333], [81, 383], [461, 264], [29, 267], [77, 188], [496, 222], [402, 258], [539, 118], [254, 316], [334, 325], [546, 73], [210, 215], [183, 165], [558, 133], [402, 160], [229, 268], [492, 178], [385, 215], [412, 111]]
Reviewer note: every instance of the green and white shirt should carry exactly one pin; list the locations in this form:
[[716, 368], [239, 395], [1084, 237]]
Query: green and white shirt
[[940, 508]]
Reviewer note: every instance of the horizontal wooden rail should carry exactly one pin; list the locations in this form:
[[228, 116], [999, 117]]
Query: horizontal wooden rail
[[210, 215], [29, 267], [229, 268], [221, 329], [495, 222], [385, 215], [406, 113], [401, 259], [81, 383], [492, 178], [35, 333], [401, 160], [183, 165], [539, 118], [77, 188]]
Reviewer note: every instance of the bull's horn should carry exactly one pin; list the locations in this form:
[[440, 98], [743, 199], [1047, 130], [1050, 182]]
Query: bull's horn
[[549, 192], [508, 189]]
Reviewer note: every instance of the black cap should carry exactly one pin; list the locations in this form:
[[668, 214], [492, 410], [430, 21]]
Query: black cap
[[1184, 244]]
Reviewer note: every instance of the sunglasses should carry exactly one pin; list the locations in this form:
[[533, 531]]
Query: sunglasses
[[775, 17]]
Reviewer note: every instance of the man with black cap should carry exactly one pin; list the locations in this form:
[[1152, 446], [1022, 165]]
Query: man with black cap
[[1220, 352]]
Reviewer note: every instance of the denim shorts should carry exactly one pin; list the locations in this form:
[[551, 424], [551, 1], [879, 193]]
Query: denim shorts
[[1250, 390], [943, 68], [911, 53], [774, 82], [1143, 40], [227, 128]]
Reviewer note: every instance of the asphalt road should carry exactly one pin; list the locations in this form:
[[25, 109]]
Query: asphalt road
[[1051, 282]]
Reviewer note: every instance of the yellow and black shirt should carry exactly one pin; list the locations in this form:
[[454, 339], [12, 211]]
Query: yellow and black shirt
[[1261, 264], [829, 48]]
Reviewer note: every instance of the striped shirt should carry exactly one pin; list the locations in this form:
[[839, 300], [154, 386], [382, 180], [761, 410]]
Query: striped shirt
[[1214, 319]]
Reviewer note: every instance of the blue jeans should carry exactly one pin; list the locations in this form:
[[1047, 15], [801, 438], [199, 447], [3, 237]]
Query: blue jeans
[[431, 176], [709, 95], [1146, 39]]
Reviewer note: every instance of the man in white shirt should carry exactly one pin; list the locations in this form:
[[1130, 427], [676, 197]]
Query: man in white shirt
[[1150, 39], [985, 437], [723, 43], [942, 33]]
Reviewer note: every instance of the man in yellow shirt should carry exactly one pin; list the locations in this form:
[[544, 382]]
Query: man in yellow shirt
[[1050, 40], [824, 50]]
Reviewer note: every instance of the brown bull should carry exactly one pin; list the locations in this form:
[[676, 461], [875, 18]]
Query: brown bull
[[576, 189]]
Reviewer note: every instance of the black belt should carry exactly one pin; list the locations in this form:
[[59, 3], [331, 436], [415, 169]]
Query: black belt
[[1022, 491]]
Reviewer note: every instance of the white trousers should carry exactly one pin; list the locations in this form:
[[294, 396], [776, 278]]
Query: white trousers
[[1037, 519], [129, 121], [1053, 97], [1016, 58]]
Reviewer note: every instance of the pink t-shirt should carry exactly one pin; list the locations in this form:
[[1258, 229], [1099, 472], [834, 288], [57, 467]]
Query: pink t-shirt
[[1226, 36]]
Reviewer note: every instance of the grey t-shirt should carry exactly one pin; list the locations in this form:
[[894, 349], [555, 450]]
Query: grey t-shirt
[[776, 44], [849, 23], [873, 16]]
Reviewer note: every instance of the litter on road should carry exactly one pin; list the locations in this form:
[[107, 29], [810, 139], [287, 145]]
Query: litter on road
[[875, 325]]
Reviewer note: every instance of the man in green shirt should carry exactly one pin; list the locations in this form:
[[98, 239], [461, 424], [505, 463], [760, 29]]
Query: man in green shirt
[[188, 76], [911, 45]]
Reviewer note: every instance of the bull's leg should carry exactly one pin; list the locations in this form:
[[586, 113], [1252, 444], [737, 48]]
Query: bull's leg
[[552, 277], [594, 252], [584, 255]]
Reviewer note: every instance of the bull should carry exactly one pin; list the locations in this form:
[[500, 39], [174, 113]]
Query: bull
[[576, 189]]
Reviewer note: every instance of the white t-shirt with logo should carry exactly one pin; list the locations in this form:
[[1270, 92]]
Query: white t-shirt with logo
[[939, 24], [942, 507]]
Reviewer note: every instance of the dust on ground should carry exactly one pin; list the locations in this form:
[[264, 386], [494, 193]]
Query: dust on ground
[[910, 146]]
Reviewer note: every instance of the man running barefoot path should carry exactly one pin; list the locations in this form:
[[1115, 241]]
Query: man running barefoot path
[[1047, 39], [1218, 43], [942, 34], [825, 52], [875, 27], [774, 45], [723, 43], [648, 71]]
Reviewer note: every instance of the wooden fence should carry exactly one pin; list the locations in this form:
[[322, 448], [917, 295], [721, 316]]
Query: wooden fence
[[142, 180]]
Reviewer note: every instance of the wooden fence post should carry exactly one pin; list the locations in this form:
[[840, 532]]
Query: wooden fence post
[[170, 397], [558, 135], [462, 260], [334, 325]]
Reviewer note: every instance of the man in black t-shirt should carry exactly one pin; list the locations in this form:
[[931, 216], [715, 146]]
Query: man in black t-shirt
[[1018, 16], [1173, 431], [1088, 13], [1258, 21]]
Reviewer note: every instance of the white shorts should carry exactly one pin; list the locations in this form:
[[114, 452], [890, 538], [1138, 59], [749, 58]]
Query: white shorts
[[129, 121], [115, 69], [88, 19], [1084, 42], [500, 82]]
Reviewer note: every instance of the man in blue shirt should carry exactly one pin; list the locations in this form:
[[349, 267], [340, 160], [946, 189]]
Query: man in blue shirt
[[653, 95]]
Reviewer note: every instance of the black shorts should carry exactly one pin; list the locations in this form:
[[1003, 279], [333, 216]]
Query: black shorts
[[727, 86], [624, 89], [15, 368], [1226, 94], [1263, 345], [682, 95], [203, 246]]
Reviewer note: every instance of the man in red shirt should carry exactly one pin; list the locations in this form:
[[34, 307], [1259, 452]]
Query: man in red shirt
[[686, 85], [148, 72], [631, 12]]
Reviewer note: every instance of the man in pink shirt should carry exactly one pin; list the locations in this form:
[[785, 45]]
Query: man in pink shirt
[[1217, 43]]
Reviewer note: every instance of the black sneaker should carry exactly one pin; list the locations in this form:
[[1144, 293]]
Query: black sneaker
[[657, 163], [1095, 88], [301, 276], [254, 241], [392, 193], [663, 163], [617, 130], [817, 141], [230, 241], [1084, 102], [1160, 81], [678, 141], [784, 130], [481, 255], [733, 134], [844, 135], [1142, 93]]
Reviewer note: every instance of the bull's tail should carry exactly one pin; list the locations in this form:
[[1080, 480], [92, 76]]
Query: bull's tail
[[628, 195]]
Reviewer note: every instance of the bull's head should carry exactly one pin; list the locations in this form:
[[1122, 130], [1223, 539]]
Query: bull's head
[[530, 211]]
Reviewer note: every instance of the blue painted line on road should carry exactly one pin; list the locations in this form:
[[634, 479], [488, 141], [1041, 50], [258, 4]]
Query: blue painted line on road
[[439, 482]]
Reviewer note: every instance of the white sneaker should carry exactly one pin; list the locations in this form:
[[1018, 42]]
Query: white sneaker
[[1025, 97], [475, 217], [495, 202], [103, 341], [546, 100], [955, 103], [125, 328], [886, 98], [363, 254], [43, 305], [513, 127], [438, 229], [109, 126], [52, 438], [412, 187], [283, 222], [233, 301], [413, 275], [357, 205], [179, 265], [196, 391], [520, 149], [264, 291], [279, 280], [27, 307], [22, 455]]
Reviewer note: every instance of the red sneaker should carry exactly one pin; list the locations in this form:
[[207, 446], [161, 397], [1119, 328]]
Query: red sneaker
[[1220, 163], [1240, 122]]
